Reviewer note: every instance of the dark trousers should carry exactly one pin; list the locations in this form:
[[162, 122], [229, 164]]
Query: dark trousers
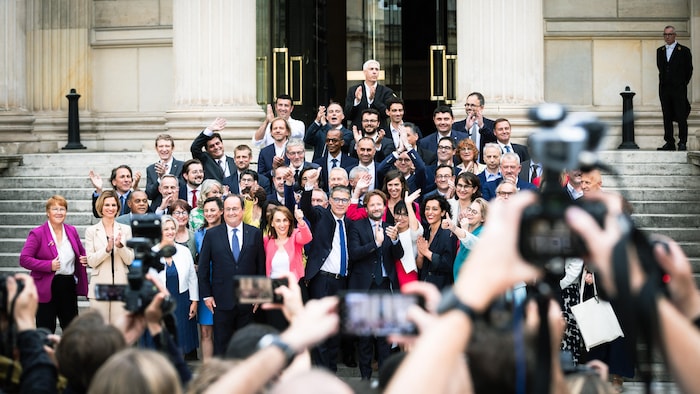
[[366, 345], [226, 322], [674, 106], [326, 353], [63, 304]]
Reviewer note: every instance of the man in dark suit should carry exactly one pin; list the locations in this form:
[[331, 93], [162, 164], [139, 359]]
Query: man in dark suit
[[166, 164], [479, 128], [242, 155], [327, 262], [234, 249], [327, 119], [138, 205], [510, 168], [368, 94], [216, 164], [296, 154], [121, 180], [675, 64], [443, 119], [334, 157], [375, 249], [371, 129], [530, 172], [170, 191], [502, 130]]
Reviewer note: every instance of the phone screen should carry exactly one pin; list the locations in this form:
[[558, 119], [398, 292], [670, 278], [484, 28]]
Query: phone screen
[[104, 292], [257, 289], [377, 313]]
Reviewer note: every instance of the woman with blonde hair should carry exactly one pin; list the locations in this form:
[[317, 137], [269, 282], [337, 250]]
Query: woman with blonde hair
[[107, 254], [136, 371], [209, 188]]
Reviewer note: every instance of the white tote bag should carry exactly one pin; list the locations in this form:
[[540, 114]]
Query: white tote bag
[[596, 319]]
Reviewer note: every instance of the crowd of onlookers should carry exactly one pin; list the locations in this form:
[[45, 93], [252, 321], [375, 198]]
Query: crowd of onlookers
[[381, 206]]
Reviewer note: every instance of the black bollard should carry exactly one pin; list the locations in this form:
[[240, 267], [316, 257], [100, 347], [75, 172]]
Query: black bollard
[[627, 120], [73, 122]]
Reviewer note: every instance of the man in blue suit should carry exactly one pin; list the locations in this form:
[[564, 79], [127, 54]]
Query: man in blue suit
[[443, 119], [510, 169], [234, 249], [327, 119], [166, 164]]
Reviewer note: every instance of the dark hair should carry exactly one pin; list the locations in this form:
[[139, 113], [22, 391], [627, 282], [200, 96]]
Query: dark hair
[[441, 166], [451, 140], [369, 111], [215, 135], [284, 96], [400, 207], [114, 172], [470, 179], [245, 341], [479, 96], [304, 171], [444, 205], [250, 172], [219, 202], [499, 120], [441, 109], [188, 163], [390, 176], [287, 213], [373, 193], [394, 100]]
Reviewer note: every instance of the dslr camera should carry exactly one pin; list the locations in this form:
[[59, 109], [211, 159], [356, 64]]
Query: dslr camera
[[140, 291], [562, 143]]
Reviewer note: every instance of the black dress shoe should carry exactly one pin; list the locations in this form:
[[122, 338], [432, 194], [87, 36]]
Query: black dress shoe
[[667, 146], [681, 146]]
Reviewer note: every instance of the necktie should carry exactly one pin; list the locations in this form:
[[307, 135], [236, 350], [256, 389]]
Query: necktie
[[335, 163], [296, 176], [221, 165], [194, 198], [474, 132], [378, 272], [507, 148], [343, 249], [122, 199], [235, 248], [533, 175]]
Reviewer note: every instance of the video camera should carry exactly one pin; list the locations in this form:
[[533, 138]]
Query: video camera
[[146, 230], [562, 143]]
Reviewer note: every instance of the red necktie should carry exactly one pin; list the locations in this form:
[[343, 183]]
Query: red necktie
[[194, 198]]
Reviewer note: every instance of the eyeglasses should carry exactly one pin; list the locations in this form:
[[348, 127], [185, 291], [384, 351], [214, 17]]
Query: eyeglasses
[[339, 200], [403, 160], [445, 147], [463, 186], [669, 34], [472, 211], [443, 176], [58, 210], [401, 215], [180, 213]]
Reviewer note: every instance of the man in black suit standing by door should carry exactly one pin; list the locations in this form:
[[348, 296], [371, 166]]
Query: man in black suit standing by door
[[675, 64], [233, 248], [368, 94]]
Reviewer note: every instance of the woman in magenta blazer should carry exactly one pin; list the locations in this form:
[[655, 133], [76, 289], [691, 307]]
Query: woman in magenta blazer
[[284, 244], [56, 258]]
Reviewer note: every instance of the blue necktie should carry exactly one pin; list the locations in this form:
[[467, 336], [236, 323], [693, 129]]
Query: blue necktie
[[235, 248], [122, 199], [343, 249], [378, 268], [335, 163], [507, 149]]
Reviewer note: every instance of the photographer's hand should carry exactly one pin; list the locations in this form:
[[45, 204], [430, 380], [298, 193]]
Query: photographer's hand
[[684, 294], [291, 295], [154, 312], [25, 304]]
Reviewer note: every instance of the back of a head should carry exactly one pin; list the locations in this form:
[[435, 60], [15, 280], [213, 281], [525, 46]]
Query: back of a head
[[85, 345], [587, 383], [245, 341], [314, 381], [210, 372], [136, 371]]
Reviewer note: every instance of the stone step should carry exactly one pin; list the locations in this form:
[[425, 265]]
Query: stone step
[[642, 156], [667, 220], [64, 182], [40, 206], [664, 207], [71, 194], [678, 234], [31, 218], [651, 181], [652, 194], [653, 168]]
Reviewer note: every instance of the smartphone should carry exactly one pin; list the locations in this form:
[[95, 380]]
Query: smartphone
[[257, 289], [104, 292], [377, 313]]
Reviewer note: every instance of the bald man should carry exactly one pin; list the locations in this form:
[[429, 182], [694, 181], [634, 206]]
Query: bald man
[[591, 181]]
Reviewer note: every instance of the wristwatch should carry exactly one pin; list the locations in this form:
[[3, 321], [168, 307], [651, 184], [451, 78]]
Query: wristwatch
[[450, 301], [274, 340]]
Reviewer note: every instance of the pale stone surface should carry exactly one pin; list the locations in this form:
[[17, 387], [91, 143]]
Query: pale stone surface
[[155, 79], [616, 64], [115, 80], [122, 13], [13, 80], [569, 72], [656, 8], [579, 9]]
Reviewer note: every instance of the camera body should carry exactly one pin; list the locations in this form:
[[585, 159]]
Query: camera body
[[562, 143], [140, 291]]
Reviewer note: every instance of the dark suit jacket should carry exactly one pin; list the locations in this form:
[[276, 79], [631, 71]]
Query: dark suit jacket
[[674, 76], [428, 157], [488, 190], [152, 177], [354, 113], [211, 169], [233, 186], [387, 147], [522, 151], [346, 162], [216, 249], [439, 270], [430, 142], [417, 180], [265, 160], [323, 227], [365, 256], [182, 195], [486, 132], [316, 137], [524, 174]]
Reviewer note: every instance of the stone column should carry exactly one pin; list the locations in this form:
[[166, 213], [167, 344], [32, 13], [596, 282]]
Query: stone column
[[15, 119], [500, 53], [214, 58]]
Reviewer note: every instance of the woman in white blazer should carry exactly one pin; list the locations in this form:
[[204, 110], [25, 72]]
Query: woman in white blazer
[[107, 254], [180, 278]]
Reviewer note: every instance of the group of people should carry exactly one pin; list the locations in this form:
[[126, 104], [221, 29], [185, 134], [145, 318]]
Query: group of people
[[378, 207]]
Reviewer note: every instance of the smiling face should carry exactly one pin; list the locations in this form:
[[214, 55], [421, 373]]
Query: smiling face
[[443, 122], [284, 108], [404, 163], [473, 105], [474, 215], [164, 149], [365, 151], [56, 214], [109, 208], [168, 231], [212, 213], [463, 189], [394, 189], [215, 148], [433, 212], [242, 158], [281, 224], [279, 131], [370, 123], [233, 211], [194, 175], [339, 202], [375, 208], [295, 154], [445, 152], [443, 176], [395, 113], [138, 202], [122, 181], [334, 141], [502, 131]]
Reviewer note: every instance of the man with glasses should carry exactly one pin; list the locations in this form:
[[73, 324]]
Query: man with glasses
[[334, 157], [297, 158], [510, 168], [327, 119], [479, 128], [443, 119], [505, 190], [444, 182], [675, 64], [446, 150], [327, 264]]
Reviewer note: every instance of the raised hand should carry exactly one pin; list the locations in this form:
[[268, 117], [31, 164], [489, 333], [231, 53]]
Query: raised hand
[[379, 235], [217, 125], [298, 214], [447, 223], [357, 134], [358, 93], [410, 198], [96, 180], [392, 232], [321, 115]]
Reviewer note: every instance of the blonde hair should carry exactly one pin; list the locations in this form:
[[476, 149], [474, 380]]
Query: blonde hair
[[136, 371]]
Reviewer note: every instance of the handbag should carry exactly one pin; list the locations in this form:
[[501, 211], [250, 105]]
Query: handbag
[[596, 319]]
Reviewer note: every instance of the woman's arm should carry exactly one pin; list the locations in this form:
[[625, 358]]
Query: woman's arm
[[27, 258]]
